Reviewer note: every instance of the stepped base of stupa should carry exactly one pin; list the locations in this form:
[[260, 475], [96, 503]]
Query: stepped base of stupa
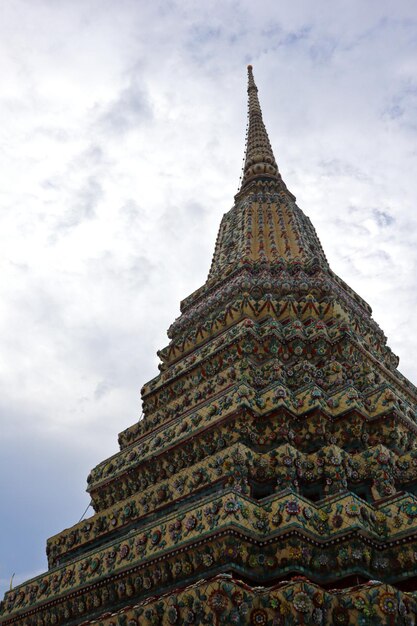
[[225, 600]]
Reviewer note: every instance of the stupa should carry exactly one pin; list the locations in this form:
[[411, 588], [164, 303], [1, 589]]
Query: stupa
[[272, 478]]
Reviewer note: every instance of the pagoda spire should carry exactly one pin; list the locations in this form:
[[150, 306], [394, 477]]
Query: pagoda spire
[[259, 159]]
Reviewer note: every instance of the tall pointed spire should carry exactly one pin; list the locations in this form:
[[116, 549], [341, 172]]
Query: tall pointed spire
[[259, 159]]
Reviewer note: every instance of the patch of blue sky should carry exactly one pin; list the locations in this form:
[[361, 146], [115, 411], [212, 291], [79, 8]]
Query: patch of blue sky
[[322, 51], [402, 107], [382, 218], [202, 42], [201, 34], [277, 37]]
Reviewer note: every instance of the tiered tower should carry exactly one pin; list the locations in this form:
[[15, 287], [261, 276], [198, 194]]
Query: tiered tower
[[271, 480]]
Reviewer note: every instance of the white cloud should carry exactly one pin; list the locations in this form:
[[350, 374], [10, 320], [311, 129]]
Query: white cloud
[[121, 144]]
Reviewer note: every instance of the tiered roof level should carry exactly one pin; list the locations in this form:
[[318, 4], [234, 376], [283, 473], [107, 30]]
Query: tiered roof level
[[272, 477]]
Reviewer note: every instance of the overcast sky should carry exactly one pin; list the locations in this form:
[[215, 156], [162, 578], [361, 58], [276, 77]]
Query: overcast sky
[[122, 138]]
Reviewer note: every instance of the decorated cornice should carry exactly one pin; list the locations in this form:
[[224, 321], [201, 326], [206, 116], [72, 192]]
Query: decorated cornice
[[336, 539], [279, 300], [227, 600], [231, 413], [331, 468]]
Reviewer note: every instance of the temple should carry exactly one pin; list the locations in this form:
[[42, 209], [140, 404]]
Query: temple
[[272, 478]]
